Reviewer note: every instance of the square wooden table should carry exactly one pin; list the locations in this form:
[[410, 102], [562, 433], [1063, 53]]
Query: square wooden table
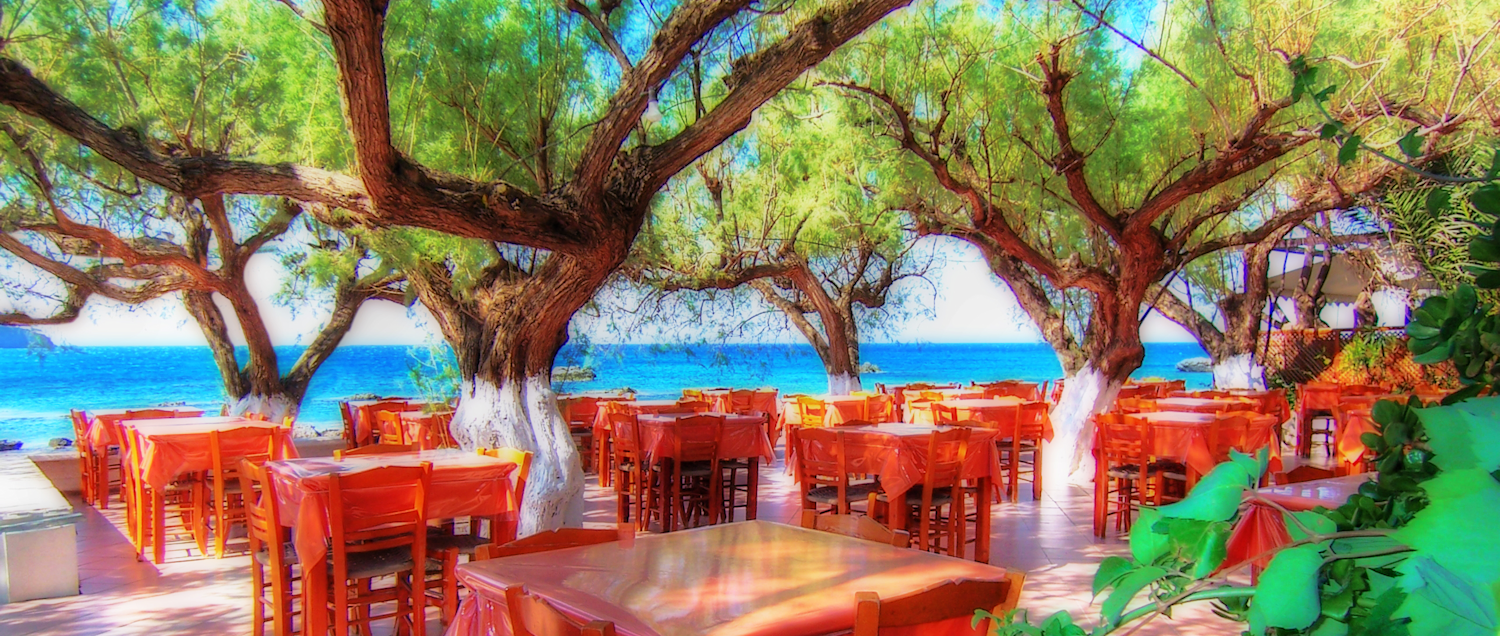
[[1189, 438], [463, 484], [753, 578], [743, 437]]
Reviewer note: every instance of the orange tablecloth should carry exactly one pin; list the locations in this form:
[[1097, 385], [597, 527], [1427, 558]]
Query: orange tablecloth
[[754, 578], [897, 453], [1001, 411], [764, 400], [744, 436], [948, 394], [463, 484], [1184, 437], [104, 424], [363, 430], [172, 447], [1203, 405], [1356, 422], [1262, 528], [843, 408], [635, 407]]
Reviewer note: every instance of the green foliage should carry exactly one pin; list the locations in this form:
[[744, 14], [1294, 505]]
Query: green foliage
[[434, 371]]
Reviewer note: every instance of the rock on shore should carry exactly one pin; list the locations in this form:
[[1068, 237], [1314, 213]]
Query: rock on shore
[[1196, 365]]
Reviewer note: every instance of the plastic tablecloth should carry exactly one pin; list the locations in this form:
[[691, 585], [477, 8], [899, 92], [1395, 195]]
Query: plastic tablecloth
[[634, 407], [744, 436], [1001, 411], [171, 447], [1184, 437], [924, 416], [363, 427], [897, 453], [844, 408], [754, 578], [463, 484], [1262, 528], [104, 424], [1204, 405]]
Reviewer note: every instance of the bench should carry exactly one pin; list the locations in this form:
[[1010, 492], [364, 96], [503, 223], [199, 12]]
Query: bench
[[38, 538]]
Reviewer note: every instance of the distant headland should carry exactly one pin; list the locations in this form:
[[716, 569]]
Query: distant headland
[[20, 338]]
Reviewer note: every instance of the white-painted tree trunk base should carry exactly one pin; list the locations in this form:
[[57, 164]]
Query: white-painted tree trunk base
[[1239, 372], [1068, 458], [844, 383], [524, 415], [274, 407]]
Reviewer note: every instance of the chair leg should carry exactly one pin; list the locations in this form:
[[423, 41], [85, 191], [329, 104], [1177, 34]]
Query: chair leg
[[1036, 472], [258, 600]]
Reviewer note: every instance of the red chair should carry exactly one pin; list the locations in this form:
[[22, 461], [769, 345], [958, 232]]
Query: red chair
[[369, 546]]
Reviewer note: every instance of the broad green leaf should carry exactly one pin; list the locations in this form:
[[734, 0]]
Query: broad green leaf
[[1211, 549], [1329, 131], [1484, 250], [1110, 569], [1442, 603], [1216, 497], [1254, 465], [1349, 150], [1419, 330], [1314, 521], [1287, 594], [1486, 199], [1486, 278], [1145, 543], [1435, 355], [1465, 300], [1459, 527], [1437, 201], [1410, 143], [1465, 435], [1126, 589]]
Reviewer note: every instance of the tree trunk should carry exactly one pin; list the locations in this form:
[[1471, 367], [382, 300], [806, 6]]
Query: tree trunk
[[1085, 394]]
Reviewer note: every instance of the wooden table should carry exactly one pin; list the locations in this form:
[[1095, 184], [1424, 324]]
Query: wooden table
[[992, 410], [897, 453], [743, 437], [173, 447], [1190, 438], [104, 424], [753, 578], [917, 415], [463, 484]]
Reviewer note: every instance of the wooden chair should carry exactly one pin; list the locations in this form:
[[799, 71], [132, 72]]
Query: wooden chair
[[580, 413], [375, 449], [346, 415], [742, 401], [694, 485], [880, 408], [93, 478], [369, 546], [273, 562], [148, 507], [941, 488], [1124, 476], [636, 484], [694, 406], [390, 429], [226, 504], [944, 414], [1135, 405], [560, 539], [857, 526], [446, 544], [1316, 400], [369, 415], [823, 472], [812, 411], [1022, 455], [944, 601], [534, 616]]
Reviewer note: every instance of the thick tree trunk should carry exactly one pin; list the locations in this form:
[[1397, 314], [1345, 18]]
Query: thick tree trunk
[[1085, 394], [1239, 371]]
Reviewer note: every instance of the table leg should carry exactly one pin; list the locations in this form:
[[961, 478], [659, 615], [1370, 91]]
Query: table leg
[[754, 495], [669, 488], [1304, 434], [158, 527], [315, 598], [896, 510], [982, 533]]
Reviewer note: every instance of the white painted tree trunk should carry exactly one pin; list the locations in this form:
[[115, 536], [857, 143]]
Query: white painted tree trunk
[[1239, 372], [1068, 456], [274, 407], [524, 415], [844, 383]]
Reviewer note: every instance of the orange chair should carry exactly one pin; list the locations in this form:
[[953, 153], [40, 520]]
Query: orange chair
[[942, 488], [446, 545], [93, 473], [273, 562], [811, 410], [375, 449], [944, 414], [1315, 400], [148, 507], [694, 486], [533, 616], [1024, 449], [1130, 405], [823, 472], [742, 401], [226, 503], [880, 408], [1124, 475], [857, 526], [636, 484], [547, 541], [369, 415], [346, 415], [367, 547], [946, 600]]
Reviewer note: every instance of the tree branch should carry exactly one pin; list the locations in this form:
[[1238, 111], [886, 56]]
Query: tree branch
[[605, 35]]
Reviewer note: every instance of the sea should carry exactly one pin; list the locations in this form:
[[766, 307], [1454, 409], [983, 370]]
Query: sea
[[37, 388]]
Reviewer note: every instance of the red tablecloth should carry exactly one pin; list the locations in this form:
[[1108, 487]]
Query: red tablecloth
[[463, 484], [844, 408], [104, 424], [898, 453], [173, 447], [1002, 411], [362, 427], [754, 578], [924, 416], [1262, 528], [1184, 437], [744, 436], [1204, 405]]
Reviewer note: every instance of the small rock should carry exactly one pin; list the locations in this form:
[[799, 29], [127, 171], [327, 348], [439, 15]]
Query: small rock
[[10, 445], [572, 374], [868, 367], [1196, 365], [60, 442]]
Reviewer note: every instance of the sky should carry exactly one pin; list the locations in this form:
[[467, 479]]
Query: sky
[[971, 305]]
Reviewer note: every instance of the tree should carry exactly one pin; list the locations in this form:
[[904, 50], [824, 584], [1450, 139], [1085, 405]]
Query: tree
[[796, 214], [92, 229], [580, 220]]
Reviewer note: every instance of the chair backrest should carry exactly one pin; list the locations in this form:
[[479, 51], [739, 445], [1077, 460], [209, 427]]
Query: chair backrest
[[149, 414], [375, 449], [355, 529], [946, 451], [821, 462], [811, 409], [742, 401], [1318, 396], [1032, 419], [346, 415], [857, 526], [880, 408], [694, 406], [695, 395], [367, 414], [522, 460], [1135, 405], [259, 446], [81, 434], [257, 416], [1230, 430], [625, 432], [580, 410], [1121, 440], [392, 429], [560, 539], [262, 514], [531, 615], [946, 600], [944, 414], [697, 438]]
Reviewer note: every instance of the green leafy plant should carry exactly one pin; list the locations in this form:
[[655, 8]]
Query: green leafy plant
[[434, 372]]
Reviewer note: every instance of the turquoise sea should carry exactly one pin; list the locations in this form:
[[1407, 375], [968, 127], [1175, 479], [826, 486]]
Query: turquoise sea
[[37, 392]]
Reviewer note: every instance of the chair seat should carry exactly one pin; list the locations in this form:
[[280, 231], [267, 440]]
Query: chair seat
[[942, 497], [830, 494], [695, 469], [288, 555], [737, 464], [365, 565], [464, 543], [1170, 469]]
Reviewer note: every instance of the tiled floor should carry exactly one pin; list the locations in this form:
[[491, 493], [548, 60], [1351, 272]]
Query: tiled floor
[[1050, 539]]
